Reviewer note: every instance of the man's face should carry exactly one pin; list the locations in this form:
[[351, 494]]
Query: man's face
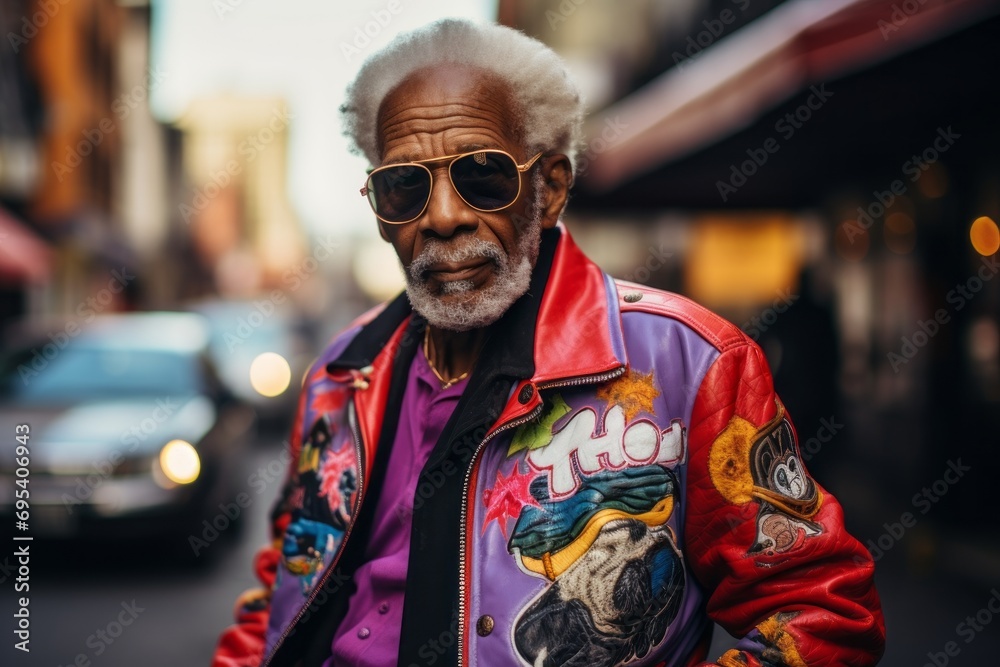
[[464, 268]]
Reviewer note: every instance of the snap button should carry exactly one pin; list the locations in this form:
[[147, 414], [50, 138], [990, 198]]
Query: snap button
[[632, 297], [527, 391], [364, 633], [484, 626], [383, 608]]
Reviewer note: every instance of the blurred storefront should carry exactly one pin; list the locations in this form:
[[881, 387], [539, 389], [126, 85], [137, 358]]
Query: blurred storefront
[[824, 174], [83, 165]]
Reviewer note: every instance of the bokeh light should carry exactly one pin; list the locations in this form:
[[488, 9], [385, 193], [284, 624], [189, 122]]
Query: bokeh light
[[180, 462], [270, 374], [383, 283], [900, 233], [851, 241], [985, 236]]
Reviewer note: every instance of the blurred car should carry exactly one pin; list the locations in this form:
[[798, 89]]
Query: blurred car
[[261, 351], [131, 433]]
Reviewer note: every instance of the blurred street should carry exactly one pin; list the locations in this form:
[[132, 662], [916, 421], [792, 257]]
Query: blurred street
[[78, 593]]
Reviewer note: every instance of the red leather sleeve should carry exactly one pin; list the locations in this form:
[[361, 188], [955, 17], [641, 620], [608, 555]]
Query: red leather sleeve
[[242, 644], [766, 542]]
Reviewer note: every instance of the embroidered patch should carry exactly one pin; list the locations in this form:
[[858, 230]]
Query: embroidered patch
[[633, 392], [538, 434], [617, 577], [747, 464], [508, 496], [779, 645], [327, 486], [581, 446]]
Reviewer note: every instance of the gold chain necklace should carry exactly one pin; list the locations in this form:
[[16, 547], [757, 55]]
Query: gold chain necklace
[[444, 383]]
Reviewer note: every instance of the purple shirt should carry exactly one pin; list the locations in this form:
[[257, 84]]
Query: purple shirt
[[369, 633]]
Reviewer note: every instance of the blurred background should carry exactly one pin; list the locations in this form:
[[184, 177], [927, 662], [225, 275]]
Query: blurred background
[[181, 233]]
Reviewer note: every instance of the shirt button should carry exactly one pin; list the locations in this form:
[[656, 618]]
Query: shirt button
[[383, 608], [364, 633], [484, 626]]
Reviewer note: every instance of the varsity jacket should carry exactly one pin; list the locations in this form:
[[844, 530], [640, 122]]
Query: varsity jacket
[[617, 475]]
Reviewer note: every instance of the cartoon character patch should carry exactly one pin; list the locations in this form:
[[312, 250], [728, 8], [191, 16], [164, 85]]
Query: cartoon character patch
[[327, 482], [747, 465], [617, 577], [590, 511]]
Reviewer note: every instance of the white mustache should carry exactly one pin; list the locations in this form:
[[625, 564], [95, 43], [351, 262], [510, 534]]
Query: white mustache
[[437, 251]]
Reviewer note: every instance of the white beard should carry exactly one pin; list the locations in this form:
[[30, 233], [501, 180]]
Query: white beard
[[482, 307]]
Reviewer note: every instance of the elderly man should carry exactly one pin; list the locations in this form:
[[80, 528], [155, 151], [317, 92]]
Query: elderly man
[[523, 461]]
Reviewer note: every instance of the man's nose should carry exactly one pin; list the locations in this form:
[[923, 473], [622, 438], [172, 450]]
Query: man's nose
[[447, 213]]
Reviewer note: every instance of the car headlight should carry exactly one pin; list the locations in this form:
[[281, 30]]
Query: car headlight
[[179, 462], [270, 374]]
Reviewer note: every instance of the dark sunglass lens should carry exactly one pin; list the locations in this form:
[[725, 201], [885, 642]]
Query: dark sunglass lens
[[486, 180], [398, 194]]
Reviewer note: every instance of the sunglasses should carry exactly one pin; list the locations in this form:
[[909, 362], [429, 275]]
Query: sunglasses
[[487, 180]]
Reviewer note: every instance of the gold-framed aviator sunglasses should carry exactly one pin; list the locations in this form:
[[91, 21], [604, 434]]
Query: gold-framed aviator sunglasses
[[487, 180]]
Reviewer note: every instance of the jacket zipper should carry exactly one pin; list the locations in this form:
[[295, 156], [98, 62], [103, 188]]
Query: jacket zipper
[[462, 574], [353, 422]]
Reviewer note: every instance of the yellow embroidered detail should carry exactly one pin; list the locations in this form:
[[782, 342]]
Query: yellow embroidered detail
[[729, 461], [547, 564], [634, 392], [732, 658], [551, 565], [309, 458], [773, 630]]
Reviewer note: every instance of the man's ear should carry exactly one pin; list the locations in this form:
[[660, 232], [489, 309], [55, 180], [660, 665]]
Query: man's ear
[[558, 174]]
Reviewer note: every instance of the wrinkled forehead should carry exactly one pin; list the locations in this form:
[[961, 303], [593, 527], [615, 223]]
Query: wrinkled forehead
[[450, 99]]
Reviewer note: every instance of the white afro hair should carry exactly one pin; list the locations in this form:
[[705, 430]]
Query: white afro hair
[[549, 105]]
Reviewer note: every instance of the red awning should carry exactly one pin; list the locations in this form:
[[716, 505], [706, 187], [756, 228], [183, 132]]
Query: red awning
[[24, 256], [734, 82]]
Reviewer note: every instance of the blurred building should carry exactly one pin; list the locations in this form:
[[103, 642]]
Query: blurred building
[[83, 165], [813, 171], [235, 214]]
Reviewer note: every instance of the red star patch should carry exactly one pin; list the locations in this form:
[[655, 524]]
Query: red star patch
[[329, 401], [333, 467], [507, 497]]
